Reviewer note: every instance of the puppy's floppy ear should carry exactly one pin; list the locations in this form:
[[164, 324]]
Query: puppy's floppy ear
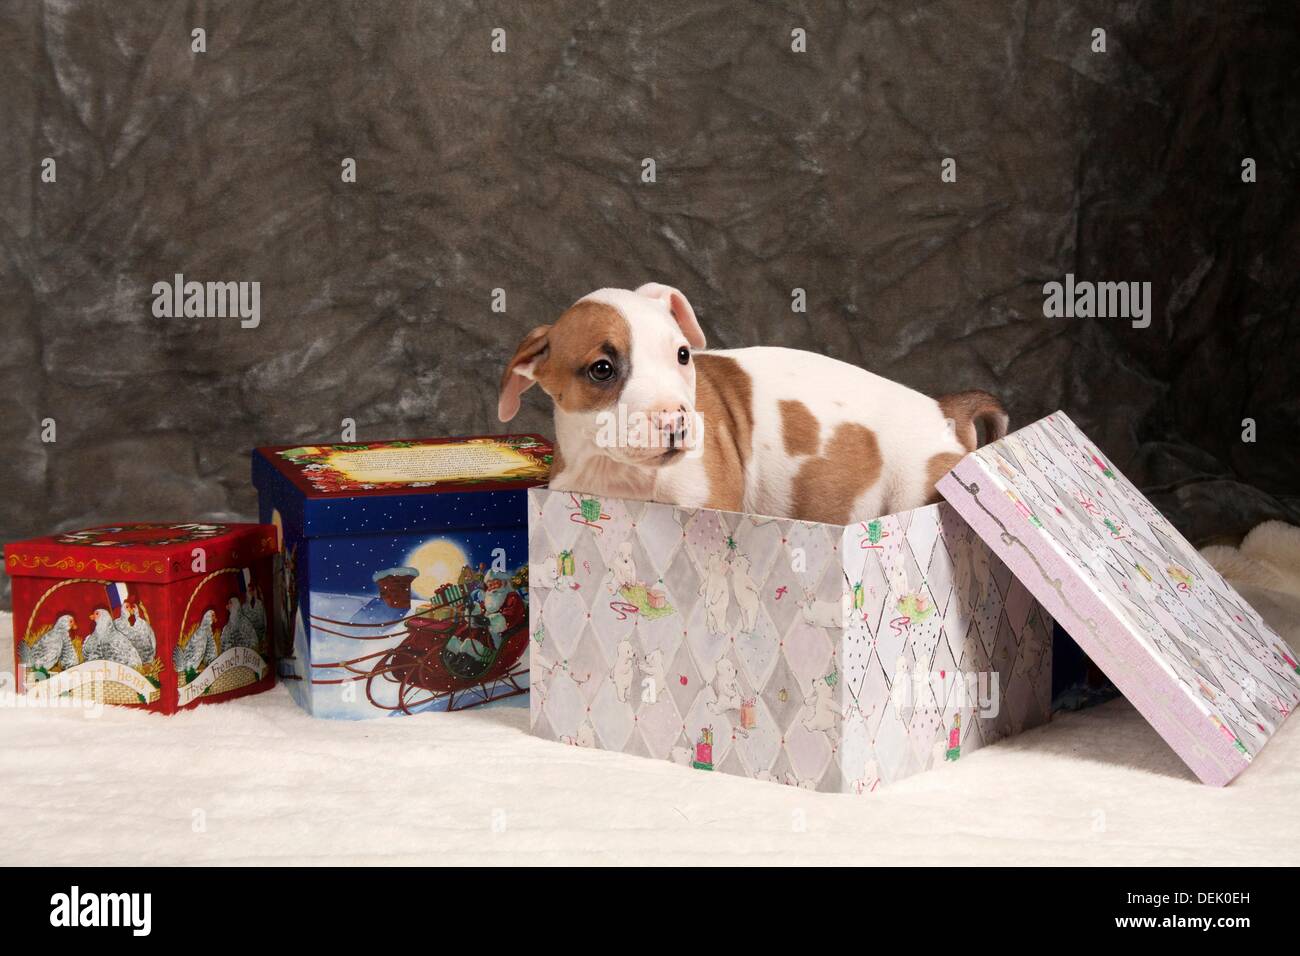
[[521, 372], [679, 307]]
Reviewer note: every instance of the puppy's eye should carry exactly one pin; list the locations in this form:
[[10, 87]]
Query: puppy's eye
[[601, 370], [683, 355]]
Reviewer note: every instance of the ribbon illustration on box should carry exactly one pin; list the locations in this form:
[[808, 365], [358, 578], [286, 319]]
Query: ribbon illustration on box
[[91, 674], [226, 662]]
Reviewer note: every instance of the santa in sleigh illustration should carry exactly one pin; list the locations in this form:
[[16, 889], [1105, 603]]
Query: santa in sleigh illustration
[[462, 648], [490, 615]]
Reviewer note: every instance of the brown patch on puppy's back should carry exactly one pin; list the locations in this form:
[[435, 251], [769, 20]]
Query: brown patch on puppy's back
[[800, 429], [826, 487], [582, 334], [938, 466], [724, 399]]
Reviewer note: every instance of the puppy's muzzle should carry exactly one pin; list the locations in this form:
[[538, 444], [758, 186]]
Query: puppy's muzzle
[[674, 429], [651, 437]]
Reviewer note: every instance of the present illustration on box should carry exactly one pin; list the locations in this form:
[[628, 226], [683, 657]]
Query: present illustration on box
[[704, 750], [647, 602], [954, 740], [587, 511]]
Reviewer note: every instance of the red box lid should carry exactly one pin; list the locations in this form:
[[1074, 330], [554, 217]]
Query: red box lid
[[150, 552]]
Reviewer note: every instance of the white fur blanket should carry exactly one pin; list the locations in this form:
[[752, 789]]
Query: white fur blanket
[[257, 781], [1266, 571]]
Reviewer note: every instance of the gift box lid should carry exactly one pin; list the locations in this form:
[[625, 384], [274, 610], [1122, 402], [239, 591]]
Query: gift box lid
[[148, 552], [403, 485], [1189, 653]]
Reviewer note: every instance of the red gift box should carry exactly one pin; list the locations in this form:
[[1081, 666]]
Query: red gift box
[[156, 616]]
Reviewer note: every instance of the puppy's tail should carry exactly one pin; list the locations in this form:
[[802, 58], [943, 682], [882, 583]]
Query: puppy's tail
[[968, 411]]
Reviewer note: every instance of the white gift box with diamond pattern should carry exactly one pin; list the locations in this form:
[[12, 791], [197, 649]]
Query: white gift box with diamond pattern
[[830, 657]]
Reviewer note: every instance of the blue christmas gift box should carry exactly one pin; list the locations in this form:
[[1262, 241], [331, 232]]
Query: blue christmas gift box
[[402, 580]]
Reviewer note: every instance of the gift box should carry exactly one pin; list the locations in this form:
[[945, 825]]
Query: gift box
[[403, 579], [823, 656], [1189, 653], [155, 616], [900, 643]]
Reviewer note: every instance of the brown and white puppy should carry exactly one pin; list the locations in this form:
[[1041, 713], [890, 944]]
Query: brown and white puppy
[[641, 411]]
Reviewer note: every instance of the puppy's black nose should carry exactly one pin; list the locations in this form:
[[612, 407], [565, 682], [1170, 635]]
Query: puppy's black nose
[[672, 427]]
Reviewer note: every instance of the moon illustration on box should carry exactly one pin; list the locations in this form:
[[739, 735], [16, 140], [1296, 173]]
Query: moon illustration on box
[[439, 562]]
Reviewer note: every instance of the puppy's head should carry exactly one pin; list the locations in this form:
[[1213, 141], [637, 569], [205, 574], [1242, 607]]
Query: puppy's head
[[618, 365]]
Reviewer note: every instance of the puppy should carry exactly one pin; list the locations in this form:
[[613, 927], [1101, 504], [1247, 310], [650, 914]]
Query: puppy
[[642, 411]]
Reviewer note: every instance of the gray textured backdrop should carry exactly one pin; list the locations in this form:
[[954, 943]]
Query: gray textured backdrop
[[520, 171]]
